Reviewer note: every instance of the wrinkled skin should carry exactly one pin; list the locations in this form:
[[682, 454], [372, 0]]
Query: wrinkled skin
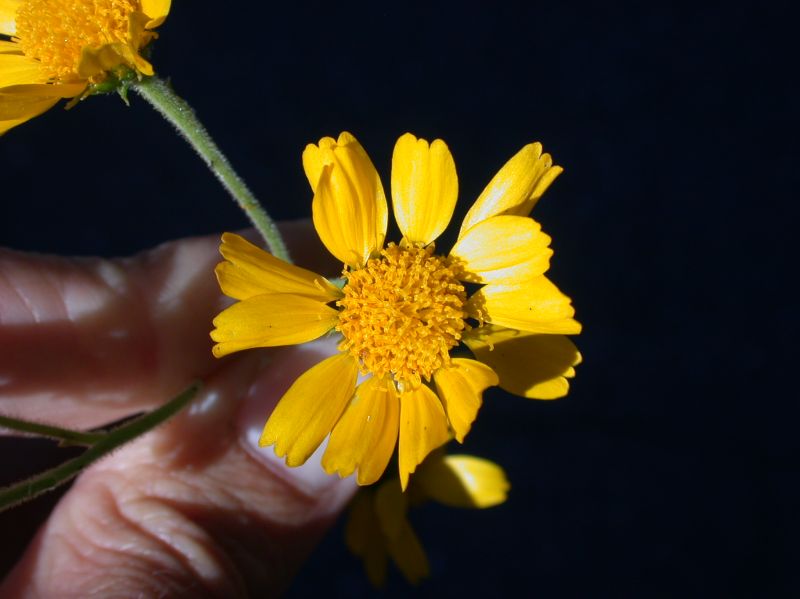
[[194, 508]]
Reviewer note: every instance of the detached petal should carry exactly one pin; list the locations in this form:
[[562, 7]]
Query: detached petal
[[460, 387], [503, 248], [349, 208], [250, 271], [531, 365], [269, 320], [310, 409], [424, 188], [8, 16], [463, 481], [366, 434], [423, 428], [516, 188], [157, 10], [536, 306]]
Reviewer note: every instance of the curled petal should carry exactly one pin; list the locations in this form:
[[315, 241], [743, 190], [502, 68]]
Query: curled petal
[[423, 428], [503, 248], [349, 208], [460, 387], [528, 364], [536, 306], [310, 408], [516, 187], [249, 270], [104, 59], [424, 188], [366, 434], [269, 320]]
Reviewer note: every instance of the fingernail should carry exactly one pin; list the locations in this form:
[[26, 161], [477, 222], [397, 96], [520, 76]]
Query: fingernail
[[261, 399]]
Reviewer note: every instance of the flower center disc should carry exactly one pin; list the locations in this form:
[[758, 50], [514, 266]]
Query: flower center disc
[[402, 313], [55, 31]]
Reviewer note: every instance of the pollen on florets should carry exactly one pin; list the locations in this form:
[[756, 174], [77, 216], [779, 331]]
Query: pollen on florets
[[402, 313], [55, 32]]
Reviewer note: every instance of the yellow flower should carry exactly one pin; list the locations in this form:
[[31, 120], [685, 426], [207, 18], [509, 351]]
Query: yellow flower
[[59, 47], [403, 308], [378, 528]]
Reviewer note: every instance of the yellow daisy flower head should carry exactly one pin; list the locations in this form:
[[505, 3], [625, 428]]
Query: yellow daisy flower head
[[403, 308], [57, 48], [378, 528]]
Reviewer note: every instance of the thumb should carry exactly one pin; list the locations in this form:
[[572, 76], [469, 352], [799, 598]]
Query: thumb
[[194, 509]]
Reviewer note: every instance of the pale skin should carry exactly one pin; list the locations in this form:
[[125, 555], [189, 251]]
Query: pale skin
[[193, 509]]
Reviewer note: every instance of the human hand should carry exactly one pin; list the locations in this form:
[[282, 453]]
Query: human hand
[[193, 508]]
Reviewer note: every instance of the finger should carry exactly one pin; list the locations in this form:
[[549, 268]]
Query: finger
[[194, 509], [87, 341]]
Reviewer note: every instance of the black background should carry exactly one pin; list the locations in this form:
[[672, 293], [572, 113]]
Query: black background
[[671, 469]]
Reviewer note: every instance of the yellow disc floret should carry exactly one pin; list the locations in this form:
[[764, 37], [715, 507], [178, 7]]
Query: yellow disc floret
[[55, 32], [402, 313]]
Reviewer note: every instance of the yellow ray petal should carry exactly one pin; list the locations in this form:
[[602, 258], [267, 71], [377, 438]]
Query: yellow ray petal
[[516, 187], [424, 188], [460, 387], [363, 536], [463, 481], [405, 549], [310, 408], [102, 59], [44, 90], [408, 555], [366, 434], [528, 364], [15, 110], [18, 69], [157, 10], [8, 16], [536, 306], [503, 248], [391, 506], [250, 271], [7, 47], [423, 428], [349, 208], [269, 320]]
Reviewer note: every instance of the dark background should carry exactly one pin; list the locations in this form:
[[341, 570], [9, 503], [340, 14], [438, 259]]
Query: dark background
[[671, 469]]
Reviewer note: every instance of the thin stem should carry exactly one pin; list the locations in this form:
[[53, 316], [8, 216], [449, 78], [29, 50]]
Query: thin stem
[[47, 481], [173, 108], [66, 436]]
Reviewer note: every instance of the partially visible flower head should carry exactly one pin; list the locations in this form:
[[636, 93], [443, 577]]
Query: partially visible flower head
[[378, 528], [404, 309], [59, 47]]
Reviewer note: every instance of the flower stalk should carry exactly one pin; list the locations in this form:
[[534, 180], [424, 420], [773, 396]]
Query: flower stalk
[[177, 111], [100, 444], [66, 436]]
